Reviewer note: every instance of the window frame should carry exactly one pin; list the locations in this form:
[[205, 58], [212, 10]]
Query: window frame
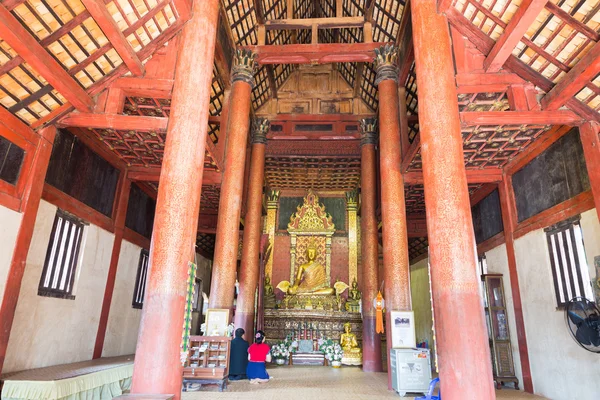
[[572, 277], [71, 268], [142, 273]]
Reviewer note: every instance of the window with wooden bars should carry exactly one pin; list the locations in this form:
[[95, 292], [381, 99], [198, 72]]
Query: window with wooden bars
[[567, 258], [58, 275], [140, 280]]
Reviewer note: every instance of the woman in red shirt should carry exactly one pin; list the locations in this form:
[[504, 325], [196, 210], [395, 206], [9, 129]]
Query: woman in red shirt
[[258, 354]]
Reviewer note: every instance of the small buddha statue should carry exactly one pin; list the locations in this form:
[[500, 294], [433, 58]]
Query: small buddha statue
[[354, 296], [352, 353], [269, 294], [310, 279]]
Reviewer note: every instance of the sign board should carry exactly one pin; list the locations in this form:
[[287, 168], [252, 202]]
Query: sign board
[[403, 329]]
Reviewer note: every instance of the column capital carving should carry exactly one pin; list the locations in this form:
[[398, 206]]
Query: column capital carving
[[368, 131], [260, 128], [244, 66], [386, 63], [272, 198], [352, 200]]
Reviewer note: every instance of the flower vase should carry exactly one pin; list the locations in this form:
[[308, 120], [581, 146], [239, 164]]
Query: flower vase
[[336, 364], [280, 361]]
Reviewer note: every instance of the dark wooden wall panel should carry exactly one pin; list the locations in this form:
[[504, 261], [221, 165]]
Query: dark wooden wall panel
[[487, 217], [554, 176], [82, 174], [11, 160], [140, 212]]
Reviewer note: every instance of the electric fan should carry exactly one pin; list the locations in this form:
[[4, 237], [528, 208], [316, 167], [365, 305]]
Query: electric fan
[[583, 319]]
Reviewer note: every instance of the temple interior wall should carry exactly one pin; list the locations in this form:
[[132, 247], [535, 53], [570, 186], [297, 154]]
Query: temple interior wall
[[559, 367], [48, 331], [421, 301], [9, 228]]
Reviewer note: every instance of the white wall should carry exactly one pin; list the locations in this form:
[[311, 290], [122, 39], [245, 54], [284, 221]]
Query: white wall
[[123, 319], [497, 263], [9, 228], [421, 301], [49, 331], [560, 368]]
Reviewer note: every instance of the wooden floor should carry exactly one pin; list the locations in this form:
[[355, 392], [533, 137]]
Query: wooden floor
[[315, 383]]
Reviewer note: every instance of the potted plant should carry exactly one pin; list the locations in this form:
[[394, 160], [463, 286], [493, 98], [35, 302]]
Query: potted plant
[[333, 352], [280, 352]]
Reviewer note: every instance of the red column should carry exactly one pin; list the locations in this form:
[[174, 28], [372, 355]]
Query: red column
[[230, 203], [396, 273], [591, 149], [119, 214], [369, 245], [157, 366], [462, 341], [250, 268], [30, 203]]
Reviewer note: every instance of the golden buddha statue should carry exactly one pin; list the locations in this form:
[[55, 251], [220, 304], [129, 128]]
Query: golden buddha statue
[[352, 353], [268, 294], [353, 302], [310, 279]]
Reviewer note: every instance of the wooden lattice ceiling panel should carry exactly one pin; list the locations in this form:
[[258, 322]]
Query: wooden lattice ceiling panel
[[483, 102], [415, 197], [320, 173], [417, 247], [205, 244], [23, 91], [138, 148]]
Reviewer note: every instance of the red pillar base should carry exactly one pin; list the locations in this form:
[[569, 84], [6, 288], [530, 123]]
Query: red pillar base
[[371, 346]]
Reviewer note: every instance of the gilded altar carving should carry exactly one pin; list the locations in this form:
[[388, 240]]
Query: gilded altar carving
[[270, 222], [310, 225], [352, 210]]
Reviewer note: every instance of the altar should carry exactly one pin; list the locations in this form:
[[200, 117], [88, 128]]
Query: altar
[[278, 323]]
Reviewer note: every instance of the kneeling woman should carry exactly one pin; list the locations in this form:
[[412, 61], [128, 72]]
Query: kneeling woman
[[258, 354]]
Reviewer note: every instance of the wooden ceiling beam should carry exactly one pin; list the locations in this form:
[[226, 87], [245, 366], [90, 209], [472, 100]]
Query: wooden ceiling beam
[[473, 176], [145, 87], [576, 79], [484, 44], [412, 151], [119, 122], [309, 23], [324, 53], [105, 21], [513, 33], [152, 174], [15, 35], [562, 117]]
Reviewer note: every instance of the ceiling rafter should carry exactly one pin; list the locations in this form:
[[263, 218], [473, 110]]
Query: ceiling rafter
[[513, 33], [106, 22], [37, 57]]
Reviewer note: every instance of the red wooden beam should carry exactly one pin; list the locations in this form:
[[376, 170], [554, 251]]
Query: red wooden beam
[[473, 176], [105, 21], [486, 83], [491, 243], [569, 19], [483, 192], [143, 174], [513, 33], [562, 117], [15, 35], [145, 87], [315, 53], [509, 220], [410, 153], [119, 122], [404, 42], [580, 75], [119, 212], [590, 141]]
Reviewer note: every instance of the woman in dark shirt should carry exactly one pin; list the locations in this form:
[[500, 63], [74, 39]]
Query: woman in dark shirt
[[239, 356], [258, 355]]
